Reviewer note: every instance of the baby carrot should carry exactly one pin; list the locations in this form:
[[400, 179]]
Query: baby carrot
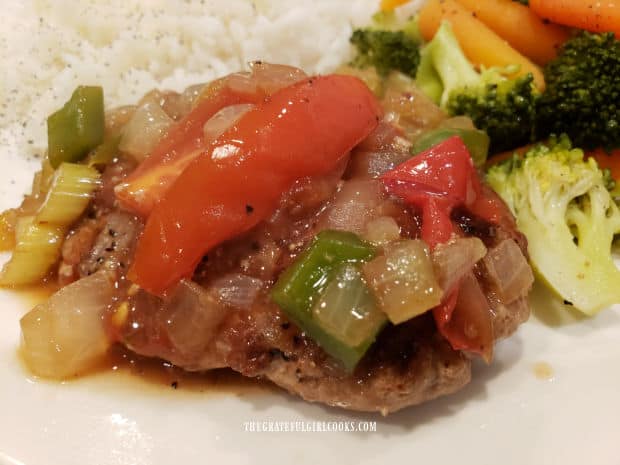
[[596, 16], [389, 5], [535, 38], [480, 44]]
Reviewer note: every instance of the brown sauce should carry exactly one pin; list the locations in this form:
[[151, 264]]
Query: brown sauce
[[543, 371], [123, 369], [127, 366], [35, 294]]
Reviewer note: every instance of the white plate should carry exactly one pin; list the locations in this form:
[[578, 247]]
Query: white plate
[[509, 414]]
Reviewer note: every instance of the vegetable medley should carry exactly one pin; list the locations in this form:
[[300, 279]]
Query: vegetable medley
[[480, 59], [527, 105]]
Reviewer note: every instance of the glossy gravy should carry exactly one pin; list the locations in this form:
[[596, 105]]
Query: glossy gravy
[[127, 369]]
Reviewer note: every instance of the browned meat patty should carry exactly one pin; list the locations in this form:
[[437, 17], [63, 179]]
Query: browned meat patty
[[408, 364]]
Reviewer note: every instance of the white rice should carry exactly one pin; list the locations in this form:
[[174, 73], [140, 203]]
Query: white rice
[[48, 47], [132, 46]]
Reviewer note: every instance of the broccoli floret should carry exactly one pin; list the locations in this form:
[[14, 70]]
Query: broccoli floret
[[386, 50], [503, 107], [444, 67], [582, 97], [562, 205]]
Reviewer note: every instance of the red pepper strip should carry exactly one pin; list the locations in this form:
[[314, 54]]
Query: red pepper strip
[[437, 226], [445, 171], [436, 181], [185, 141], [302, 130]]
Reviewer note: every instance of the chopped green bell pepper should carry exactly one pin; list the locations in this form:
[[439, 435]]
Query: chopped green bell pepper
[[476, 141], [77, 127], [301, 286]]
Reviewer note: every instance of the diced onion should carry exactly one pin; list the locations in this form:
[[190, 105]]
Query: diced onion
[[353, 206], [347, 309], [412, 109], [509, 271], [454, 259], [191, 315], [239, 82], [271, 77], [369, 75], [185, 102], [144, 130], [403, 280], [380, 152], [236, 290], [472, 318], [264, 77], [8, 220], [224, 119], [117, 118], [381, 231], [65, 336]]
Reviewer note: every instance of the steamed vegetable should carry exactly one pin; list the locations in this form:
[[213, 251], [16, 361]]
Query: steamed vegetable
[[582, 97], [328, 299], [596, 16], [481, 45], [237, 182], [503, 107], [562, 205], [526, 32], [77, 127], [386, 50]]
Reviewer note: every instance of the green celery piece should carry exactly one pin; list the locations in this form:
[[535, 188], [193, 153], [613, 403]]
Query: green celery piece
[[77, 127], [299, 287], [104, 153], [477, 142]]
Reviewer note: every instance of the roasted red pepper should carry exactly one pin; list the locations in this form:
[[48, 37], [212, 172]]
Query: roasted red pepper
[[436, 181], [302, 130]]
